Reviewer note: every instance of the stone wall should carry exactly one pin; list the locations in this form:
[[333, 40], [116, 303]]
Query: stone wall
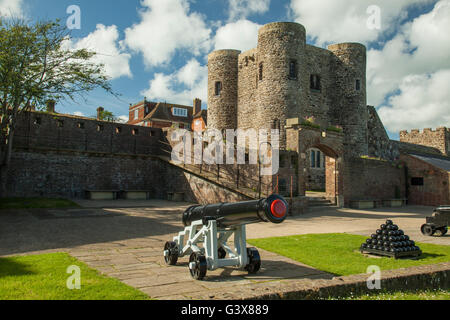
[[438, 139], [68, 174], [44, 131], [380, 145], [435, 190], [366, 179]]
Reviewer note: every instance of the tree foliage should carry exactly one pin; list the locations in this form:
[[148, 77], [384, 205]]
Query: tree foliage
[[36, 65]]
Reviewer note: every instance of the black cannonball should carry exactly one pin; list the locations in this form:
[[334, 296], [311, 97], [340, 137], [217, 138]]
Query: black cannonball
[[406, 237], [374, 236], [380, 237], [385, 238], [383, 227], [379, 231], [401, 232], [389, 222], [364, 246], [395, 227], [380, 248], [391, 233], [375, 242]]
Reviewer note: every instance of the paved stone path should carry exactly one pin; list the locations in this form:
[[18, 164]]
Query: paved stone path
[[125, 241]]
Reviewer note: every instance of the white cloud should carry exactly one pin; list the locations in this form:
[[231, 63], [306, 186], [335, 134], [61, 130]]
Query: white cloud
[[241, 9], [180, 87], [165, 27], [240, 35], [79, 114], [104, 41], [423, 102], [10, 8], [334, 21], [122, 119], [413, 66]]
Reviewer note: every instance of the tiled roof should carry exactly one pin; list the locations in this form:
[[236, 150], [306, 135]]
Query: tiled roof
[[440, 163], [163, 111]]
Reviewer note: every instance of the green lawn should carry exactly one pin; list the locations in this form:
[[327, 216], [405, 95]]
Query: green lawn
[[339, 253], [407, 295], [35, 203], [44, 277]]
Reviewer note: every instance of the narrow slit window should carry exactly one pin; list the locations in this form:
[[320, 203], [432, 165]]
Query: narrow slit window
[[218, 88], [261, 71], [293, 69], [315, 82], [313, 159], [358, 85]]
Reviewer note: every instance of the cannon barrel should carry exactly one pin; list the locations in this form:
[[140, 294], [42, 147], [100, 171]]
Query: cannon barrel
[[272, 209]]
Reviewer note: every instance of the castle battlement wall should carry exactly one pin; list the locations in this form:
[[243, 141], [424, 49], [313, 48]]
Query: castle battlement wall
[[435, 138], [39, 130]]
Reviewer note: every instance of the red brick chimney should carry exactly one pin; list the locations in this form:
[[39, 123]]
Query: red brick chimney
[[197, 106], [51, 106], [100, 110]]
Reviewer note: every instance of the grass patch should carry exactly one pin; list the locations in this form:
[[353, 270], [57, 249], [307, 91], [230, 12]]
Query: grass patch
[[35, 203], [339, 253], [44, 277], [404, 295]]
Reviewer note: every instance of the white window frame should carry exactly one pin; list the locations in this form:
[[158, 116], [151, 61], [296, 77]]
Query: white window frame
[[179, 112]]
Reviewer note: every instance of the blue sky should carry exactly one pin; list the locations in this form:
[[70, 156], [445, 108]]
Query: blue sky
[[158, 48]]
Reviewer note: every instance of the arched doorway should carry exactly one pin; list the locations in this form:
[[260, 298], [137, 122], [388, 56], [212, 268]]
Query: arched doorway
[[330, 145]]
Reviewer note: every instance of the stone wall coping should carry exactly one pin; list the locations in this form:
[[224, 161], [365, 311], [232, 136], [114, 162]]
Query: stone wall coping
[[421, 277]]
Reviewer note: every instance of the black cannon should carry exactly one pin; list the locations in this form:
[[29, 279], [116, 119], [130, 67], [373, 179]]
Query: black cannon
[[208, 229], [272, 209], [438, 222]]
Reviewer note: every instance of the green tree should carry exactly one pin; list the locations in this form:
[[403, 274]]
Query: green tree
[[36, 65], [105, 115]]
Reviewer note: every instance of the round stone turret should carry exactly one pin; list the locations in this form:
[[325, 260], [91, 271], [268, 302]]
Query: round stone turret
[[350, 105], [222, 89], [280, 74]]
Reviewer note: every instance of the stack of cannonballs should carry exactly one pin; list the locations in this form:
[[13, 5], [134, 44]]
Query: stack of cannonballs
[[390, 241]]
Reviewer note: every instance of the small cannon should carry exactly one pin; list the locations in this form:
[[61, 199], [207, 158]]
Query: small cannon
[[438, 222], [208, 229]]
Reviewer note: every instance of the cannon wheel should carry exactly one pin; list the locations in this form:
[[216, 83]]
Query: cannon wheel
[[198, 272], [172, 258], [428, 230], [254, 261], [443, 231], [222, 253]]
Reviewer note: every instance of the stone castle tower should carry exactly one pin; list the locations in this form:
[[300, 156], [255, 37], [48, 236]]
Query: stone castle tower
[[284, 78]]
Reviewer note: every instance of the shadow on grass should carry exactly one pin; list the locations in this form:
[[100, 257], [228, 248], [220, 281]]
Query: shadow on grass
[[10, 268]]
